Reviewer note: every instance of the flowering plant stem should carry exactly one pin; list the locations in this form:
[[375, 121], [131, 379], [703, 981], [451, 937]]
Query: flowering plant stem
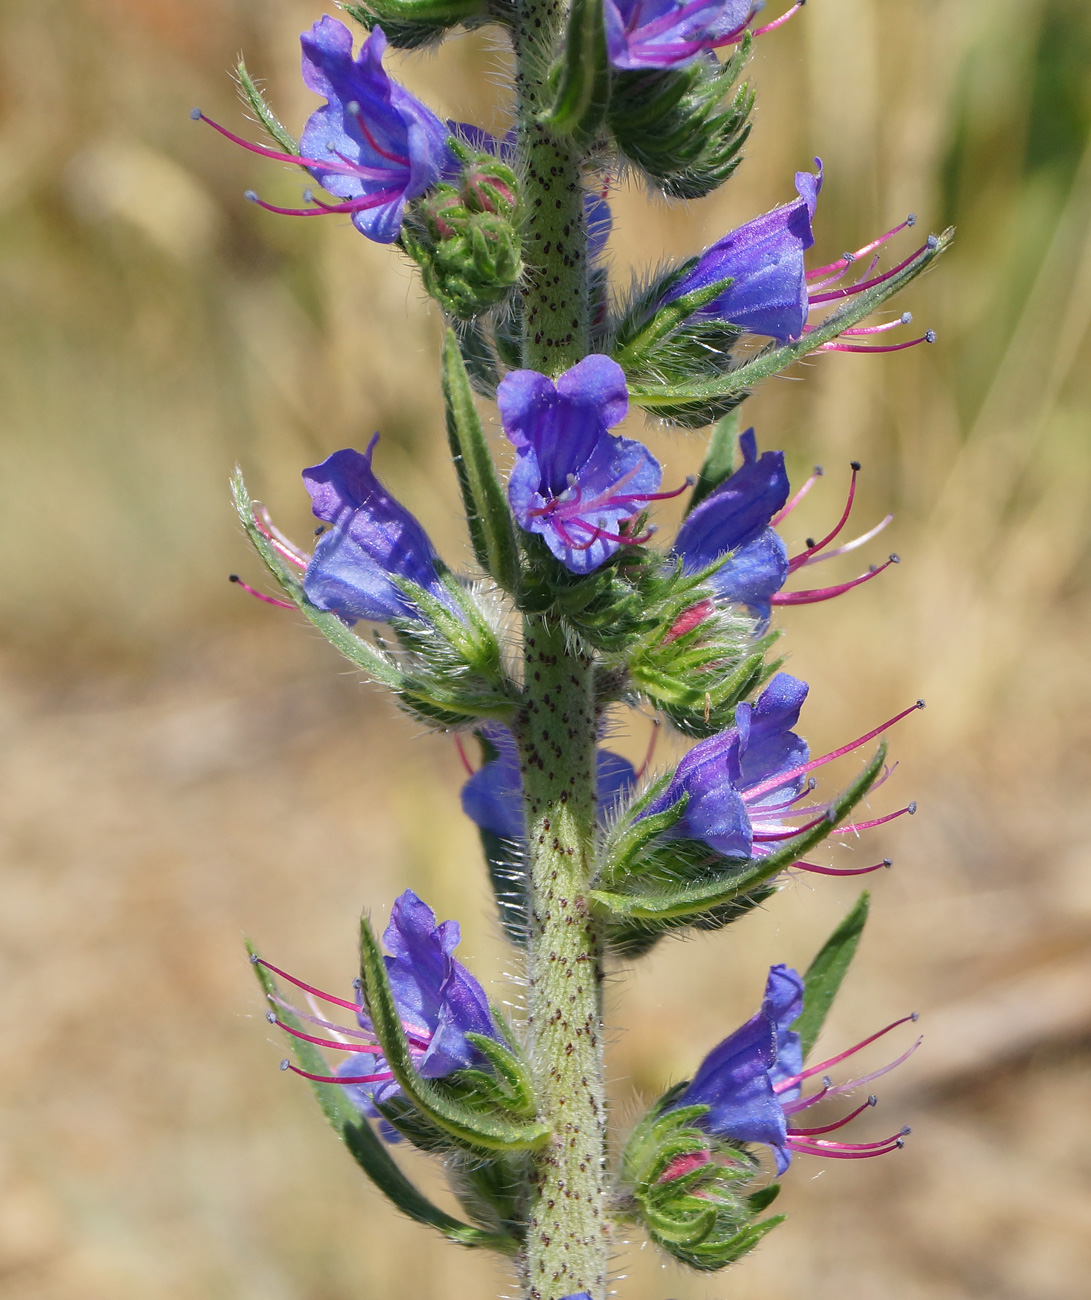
[[566, 1241]]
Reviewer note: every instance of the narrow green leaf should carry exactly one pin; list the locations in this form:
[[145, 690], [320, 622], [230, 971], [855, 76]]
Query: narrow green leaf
[[479, 1127], [265, 114], [369, 1152], [583, 80], [687, 898], [774, 359], [487, 515], [354, 648], [720, 460], [825, 973]]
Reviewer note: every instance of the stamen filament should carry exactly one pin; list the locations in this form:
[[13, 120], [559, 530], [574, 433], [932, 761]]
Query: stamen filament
[[814, 547], [839, 1123], [908, 810], [846, 547], [813, 595], [775, 782], [259, 595], [382, 1077], [815, 869], [928, 337], [847, 259], [836, 294], [785, 511], [785, 1084]]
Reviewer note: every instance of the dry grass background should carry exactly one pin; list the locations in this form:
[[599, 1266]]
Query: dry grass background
[[181, 765]]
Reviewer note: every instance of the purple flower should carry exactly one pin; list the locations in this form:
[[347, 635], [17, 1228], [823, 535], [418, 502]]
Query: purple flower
[[373, 145], [735, 520], [383, 146], [574, 483], [764, 259], [493, 797], [439, 1002], [752, 1082], [742, 782], [371, 539], [671, 33]]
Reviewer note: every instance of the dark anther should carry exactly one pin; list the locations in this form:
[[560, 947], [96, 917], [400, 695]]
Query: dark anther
[[271, 1016], [895, 558], [234, 577], [912, 808], [285, 1064], [855, 465], [809, 543]]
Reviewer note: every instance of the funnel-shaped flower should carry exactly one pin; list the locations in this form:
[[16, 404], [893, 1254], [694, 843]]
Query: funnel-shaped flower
[[720, 774], [764, 259], [575, 483], [374, 145], [439, 1002], [493, 797], [735, 520], [371, 539], [752, 1082], [670, 33]]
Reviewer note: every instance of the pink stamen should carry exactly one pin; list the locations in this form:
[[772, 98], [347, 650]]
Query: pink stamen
[[837, 294], [847, 259], [929, 337], [790, 832], [814, 547], [354, 1007], [853, 1084], [259, 595], [839, 1123], [382, 1077], [343, 168], [785, 1084], [815, 594], [276, 538], [779, 22], [840, 871], [623, 539], [653, 496], [785, 511], [372, 1049], [653, 740], [363, 204], [775, 782], [856, 542], [908, 810], [319, 1021], [906, 318], [463, 755], [841, 1151], [398, 158]]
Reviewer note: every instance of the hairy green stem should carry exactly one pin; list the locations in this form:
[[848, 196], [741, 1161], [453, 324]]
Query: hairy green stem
[[554, 291], [567, 1237]]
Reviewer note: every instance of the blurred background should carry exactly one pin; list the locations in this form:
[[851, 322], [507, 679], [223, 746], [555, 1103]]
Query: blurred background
[[181, 765]]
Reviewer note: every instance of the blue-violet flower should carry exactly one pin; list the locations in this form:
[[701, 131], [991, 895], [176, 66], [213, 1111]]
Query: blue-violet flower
[[439, 1002], [371, 538], [575, 483], [373, 145], [744, 784], [643, 34], [752, 1082]]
